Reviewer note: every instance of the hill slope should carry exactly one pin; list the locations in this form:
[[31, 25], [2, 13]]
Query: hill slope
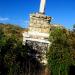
[[10, 30]]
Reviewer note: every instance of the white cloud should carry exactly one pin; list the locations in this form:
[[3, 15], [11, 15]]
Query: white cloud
[[3, 19]]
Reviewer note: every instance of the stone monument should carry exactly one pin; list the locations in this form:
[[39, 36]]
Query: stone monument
[[38, 31]]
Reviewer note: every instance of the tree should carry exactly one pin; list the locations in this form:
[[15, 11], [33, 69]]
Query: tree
[[59, 58], [74, 27], [14, 56], [3, 69]]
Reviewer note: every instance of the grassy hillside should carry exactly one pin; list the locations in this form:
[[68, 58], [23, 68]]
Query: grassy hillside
[[10, 30]]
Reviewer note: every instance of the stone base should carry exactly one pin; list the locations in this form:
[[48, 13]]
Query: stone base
[[39, 50]]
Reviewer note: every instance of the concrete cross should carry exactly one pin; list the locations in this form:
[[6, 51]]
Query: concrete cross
[[42, 6]]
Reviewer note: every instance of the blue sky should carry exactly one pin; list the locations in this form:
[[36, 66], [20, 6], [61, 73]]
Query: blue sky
[[17, 11]]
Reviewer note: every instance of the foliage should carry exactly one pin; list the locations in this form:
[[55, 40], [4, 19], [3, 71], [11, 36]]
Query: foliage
[[15, 59], [60, 55], [74, 27], [11, 49]]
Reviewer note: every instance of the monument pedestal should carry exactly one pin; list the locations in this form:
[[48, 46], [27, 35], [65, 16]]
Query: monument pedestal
[[38, 34], [39, 28]]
